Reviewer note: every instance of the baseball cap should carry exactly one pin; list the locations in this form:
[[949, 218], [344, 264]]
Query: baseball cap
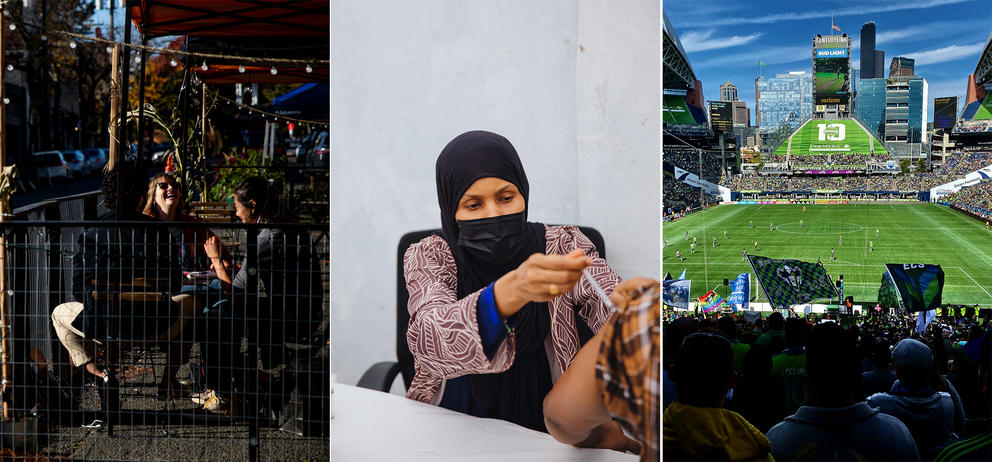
[[912, 354]]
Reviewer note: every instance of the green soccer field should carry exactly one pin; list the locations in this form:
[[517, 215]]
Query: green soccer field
[[908, 233]]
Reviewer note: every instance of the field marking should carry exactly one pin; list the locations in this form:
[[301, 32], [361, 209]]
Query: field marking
[[836, 232], [893, 208], [973, 280]]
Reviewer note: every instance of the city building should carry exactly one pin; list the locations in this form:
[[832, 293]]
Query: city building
[[742, 114], [901, 67], [728, 91], [906, 101], [879, 64], [868, 51], [785, 98], [870, 105]]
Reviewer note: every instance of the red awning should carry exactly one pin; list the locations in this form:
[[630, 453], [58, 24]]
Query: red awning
[[271, 18]]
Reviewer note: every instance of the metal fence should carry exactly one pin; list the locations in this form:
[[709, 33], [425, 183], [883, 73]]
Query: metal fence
[[247, 344]]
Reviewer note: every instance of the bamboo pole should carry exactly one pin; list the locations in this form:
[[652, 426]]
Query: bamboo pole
[[5, 370], [203, 140], [115, 106]]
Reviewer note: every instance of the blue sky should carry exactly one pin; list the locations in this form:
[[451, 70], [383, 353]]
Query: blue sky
[[726, 39]]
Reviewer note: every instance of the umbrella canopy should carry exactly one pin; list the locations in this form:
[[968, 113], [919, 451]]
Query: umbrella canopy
[[233, 18]]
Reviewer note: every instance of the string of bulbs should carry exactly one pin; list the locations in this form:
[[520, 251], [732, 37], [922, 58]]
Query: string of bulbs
[[251, 110], [306, 64]]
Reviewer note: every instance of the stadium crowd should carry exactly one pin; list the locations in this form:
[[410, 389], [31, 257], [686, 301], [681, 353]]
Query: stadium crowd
[[809, 389], [680, 196], [853, 183], [688, 159], [958, 164], [977, 198], [973, 126]]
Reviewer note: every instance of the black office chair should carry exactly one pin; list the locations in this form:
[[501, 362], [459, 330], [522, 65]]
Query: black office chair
[[382, 374]]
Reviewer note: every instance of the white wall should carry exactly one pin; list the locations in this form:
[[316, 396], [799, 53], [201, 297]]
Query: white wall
[[409, 76]]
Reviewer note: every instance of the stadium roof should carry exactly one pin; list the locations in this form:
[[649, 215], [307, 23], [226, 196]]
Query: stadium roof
[[678, 72], [983, 71]]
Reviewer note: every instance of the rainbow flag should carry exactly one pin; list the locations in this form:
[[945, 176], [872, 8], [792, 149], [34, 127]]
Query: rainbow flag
[[710, 300]]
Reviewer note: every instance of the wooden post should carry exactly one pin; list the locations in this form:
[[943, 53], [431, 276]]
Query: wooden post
[[5, 371], [203, 140], [115, 106]]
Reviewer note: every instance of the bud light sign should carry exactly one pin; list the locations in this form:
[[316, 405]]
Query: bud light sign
[[832, 53]]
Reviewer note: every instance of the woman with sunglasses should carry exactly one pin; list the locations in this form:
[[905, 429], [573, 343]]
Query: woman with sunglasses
[[165, 202], [493, 298]]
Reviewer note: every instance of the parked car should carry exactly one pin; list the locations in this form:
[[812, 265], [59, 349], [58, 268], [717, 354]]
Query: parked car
[[50, 165], [76, 161], [96, 158]]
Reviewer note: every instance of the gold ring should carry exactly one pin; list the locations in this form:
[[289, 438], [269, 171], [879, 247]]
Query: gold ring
[[553, 289]]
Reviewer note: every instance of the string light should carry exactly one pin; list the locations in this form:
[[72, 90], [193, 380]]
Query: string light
[[6, 101], [72, 45], [10, 67], [173, 62], [13, 27], [309, 69], [273, 71], [44, 38], [204, 66], [110, 50], [241, 69]]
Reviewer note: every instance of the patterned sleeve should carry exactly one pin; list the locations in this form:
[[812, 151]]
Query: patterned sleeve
[[595, 312], [443, 334], [628, 371]]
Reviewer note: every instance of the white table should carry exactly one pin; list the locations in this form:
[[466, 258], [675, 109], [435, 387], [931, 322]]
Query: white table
[[369, 426]]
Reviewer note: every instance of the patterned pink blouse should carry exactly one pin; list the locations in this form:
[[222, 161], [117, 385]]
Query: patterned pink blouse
[[443, 334]]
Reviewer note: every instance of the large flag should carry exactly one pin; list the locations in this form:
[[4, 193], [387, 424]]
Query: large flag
[[710, 300], [740, 291], [924, 320], [682, 276], [791, 282], [675, 293], [887, 296], [668, 276], [919, 285], [835, 27]]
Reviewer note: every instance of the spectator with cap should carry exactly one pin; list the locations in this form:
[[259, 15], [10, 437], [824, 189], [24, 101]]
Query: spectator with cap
[[929, 414], [836, 424], [696, 426]]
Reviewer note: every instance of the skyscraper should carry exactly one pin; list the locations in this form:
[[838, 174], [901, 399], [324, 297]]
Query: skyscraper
[[879, 65], [902, 67], [905, 115], [785, 99], [868, 51], [728, 91]]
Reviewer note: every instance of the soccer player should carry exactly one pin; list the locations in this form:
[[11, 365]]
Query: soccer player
[[693, 239], [678, 254], [986, 225], [755, 246], [714, 242], [666, 242], [841, 244], [876, 232], [725, 235], [687, 235], [750, 224], [804, 209], [802, 223], [743, 254], [832, 257], [692, 248], [771, 226], [871, 246]]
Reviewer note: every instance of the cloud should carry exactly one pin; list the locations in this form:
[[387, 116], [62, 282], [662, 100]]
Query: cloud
[[823, 13], [945, 54], [774, 55], [704, 40]]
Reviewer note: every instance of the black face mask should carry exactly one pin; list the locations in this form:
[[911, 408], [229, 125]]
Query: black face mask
[[494, 240]]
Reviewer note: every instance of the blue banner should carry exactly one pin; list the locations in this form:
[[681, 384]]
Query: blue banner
[[791, 282], [675, 293], [919, 285], [740, 291]]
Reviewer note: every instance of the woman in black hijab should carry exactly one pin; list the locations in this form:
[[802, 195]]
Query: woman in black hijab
[[493, 299]]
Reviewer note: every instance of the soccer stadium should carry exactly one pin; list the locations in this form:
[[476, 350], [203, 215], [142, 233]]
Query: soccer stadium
[[828, 286], [833, 193]]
